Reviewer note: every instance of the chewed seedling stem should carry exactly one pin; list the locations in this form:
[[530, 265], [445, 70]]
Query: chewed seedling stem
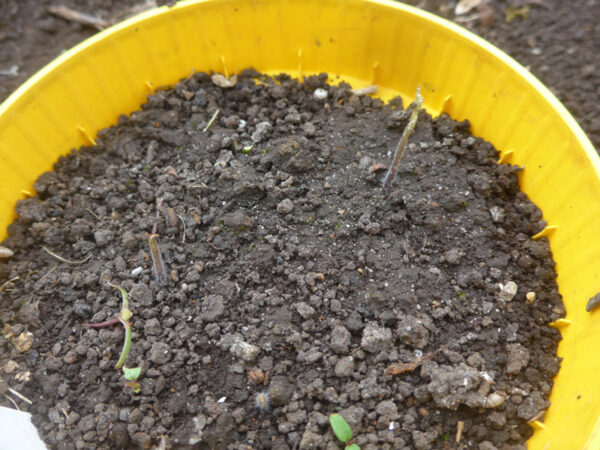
[[124, 317], [157, 260], [415, 107]]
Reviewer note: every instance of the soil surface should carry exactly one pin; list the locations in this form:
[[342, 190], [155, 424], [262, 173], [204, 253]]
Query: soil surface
[[558, 41], [295, 287]]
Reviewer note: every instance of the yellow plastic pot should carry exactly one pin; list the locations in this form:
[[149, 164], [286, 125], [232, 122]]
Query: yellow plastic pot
[[364, 42]]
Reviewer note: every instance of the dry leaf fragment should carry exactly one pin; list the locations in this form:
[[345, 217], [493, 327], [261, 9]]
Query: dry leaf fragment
[[188, 94], [364, 91], [10, 366], [543, 3], [23, 376], [512, 12], [256, 376], [593, 302], [376, 167], [223, 82], [78, 17], [464, 6], [172, 218], [486, 15], [398, 369], [24, 341], [6, 252], [172, 172], [538, 416], [460, 425]]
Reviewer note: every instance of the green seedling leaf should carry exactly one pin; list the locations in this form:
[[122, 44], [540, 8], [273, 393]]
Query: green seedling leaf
[[247, 149], [352, 447], [132, 373], [340, 427]]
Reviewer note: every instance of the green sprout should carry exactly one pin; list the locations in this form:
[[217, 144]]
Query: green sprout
[[342, 431], [123, 317], [131, 375], [414, 107]]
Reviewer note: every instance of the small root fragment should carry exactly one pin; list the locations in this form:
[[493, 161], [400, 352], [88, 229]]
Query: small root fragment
[[78, 17], [365, 91], [414, 108], [60, 258], [538, 416], [212, 119], [460, 425], [22, 397], [7, 283], [13, 402], [184, 230]]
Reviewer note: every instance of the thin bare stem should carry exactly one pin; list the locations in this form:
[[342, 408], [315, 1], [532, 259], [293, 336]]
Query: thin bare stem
[[364, 91], [159, 202], [7, 283], [416, 107], [126, 344], [210, 122], [103, 324], [157, 260], [13, 402], [183, 223], [78, 17], [60, 258], [22, 397]]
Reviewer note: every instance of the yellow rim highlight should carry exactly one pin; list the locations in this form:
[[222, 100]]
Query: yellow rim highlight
[[364, 42]]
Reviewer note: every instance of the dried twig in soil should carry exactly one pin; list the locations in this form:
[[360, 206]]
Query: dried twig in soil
[[22, 397], [364, 91], [78, 17], [415, 107], [157, 260], [538, 416], [210, 122], [60, 258], [184, 230], [7, 283], [460, 425], [398, 369], [12, 401]]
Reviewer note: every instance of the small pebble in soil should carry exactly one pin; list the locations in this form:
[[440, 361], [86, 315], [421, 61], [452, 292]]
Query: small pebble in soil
[[508, 291]]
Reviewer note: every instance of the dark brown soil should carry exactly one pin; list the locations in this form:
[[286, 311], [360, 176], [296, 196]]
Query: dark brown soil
[[296, 286]]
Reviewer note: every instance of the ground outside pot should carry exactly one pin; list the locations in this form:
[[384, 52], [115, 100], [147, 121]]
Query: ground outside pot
[[364, 42]]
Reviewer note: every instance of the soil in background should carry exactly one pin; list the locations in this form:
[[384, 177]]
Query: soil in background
[[296, 287], [556, 40]]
